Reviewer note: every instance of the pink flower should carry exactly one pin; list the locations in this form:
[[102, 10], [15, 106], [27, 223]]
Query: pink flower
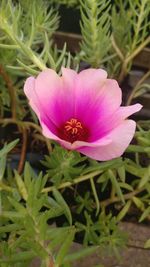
[[82, 111]]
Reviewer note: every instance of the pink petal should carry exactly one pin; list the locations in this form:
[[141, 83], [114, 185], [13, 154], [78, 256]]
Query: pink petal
[[97, 102], [91, 76], [48, 86], [121, 137], [88, 86], [34, 101], [78, 144], [74, 146], [104, 126], [48, 133], [57, 94], [29, 89]]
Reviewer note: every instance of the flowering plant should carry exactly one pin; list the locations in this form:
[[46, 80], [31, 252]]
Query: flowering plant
[[72, 175]]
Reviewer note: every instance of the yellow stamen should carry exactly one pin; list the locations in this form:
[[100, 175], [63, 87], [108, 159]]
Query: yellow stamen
[[73, 126]]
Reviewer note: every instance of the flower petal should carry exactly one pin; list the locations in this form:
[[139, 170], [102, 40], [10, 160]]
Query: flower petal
[[103, 126], [97, 102], [34, 101], [121, 136], [29, 89], [57, 94]]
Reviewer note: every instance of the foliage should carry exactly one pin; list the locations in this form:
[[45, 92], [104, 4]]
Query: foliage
[[130, 32], [95, 27], [104, 232], [38, 25], [63, 165], [82, 193]]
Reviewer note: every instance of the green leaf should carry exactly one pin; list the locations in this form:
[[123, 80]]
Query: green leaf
[[138, 202], [11, 215], [114, 163], [139, 149], [2, 166], [63, 204], [21, 186], [95, 195], [124, 211], [83, 252], [19, 256], [145, 214], [145, 179], [132, 168], [65, 247], [125, 186], [20, 208], [27, 175], [122, 173], [95, 27], [7, 148], [9, 228], [115, 183], [63, 165], [38, 248], [58, 237]]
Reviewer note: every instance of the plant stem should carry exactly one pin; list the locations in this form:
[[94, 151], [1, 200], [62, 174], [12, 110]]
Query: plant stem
[[124, 69], [123, 72], [25, 49], [138, 49], [116, 48], [127, 196], [49, 258], [127, 60], [131, 96], [75, 181], [95, 195]]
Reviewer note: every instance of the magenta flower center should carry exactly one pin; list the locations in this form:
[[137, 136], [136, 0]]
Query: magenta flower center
[[73, 130]]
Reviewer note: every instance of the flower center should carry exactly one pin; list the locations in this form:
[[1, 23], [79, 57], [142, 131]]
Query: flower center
[[74, 130]]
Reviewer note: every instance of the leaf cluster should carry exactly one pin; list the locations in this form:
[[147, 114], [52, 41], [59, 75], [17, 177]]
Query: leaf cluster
[[27, 209], [112, 37], [27, 29], [103, 232], [63, 165], [130, 24], [95, 29], [29, 235], [130, 33]]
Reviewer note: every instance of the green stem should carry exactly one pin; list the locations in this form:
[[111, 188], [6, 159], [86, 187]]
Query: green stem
[[138, 49], [48, 258], [127, 60], [75, 181], [24, 48], [95, 196], [127, 196], [131, 96], [116, 48], [11, 47]]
